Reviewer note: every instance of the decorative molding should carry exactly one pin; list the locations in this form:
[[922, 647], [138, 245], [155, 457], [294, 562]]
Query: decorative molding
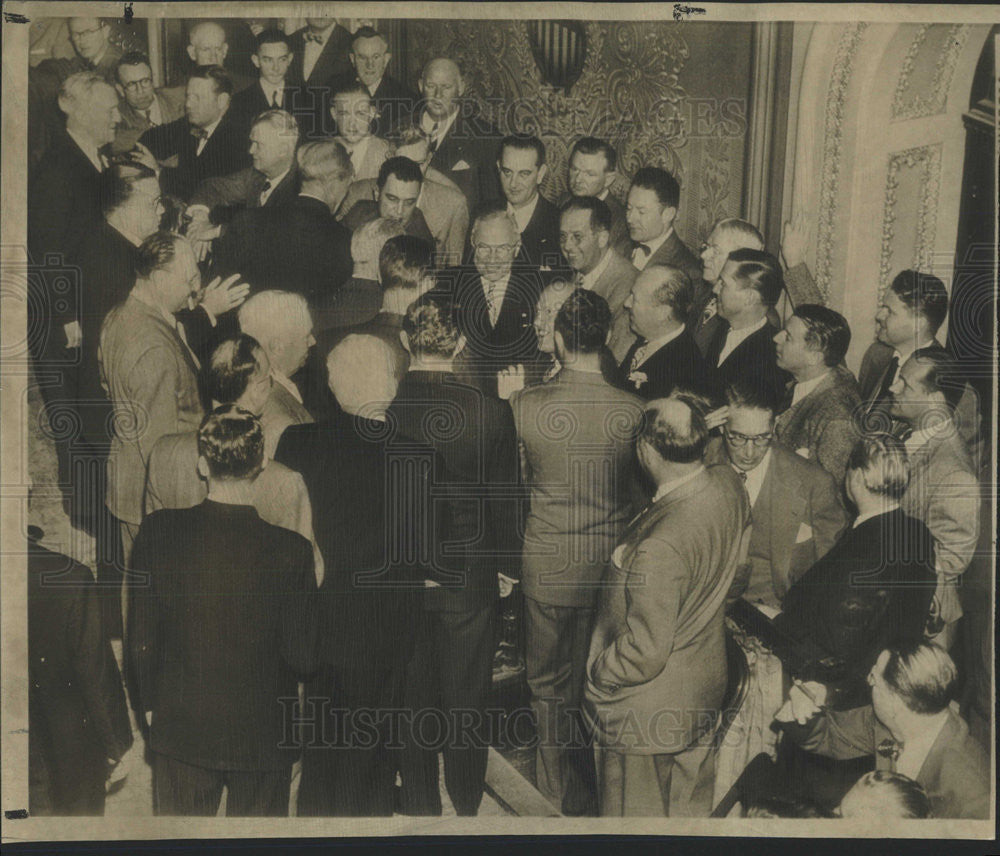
[[843, 66], [927, 158], [918, 105]]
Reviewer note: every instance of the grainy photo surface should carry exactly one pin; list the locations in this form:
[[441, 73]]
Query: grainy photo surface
[[498, 419]]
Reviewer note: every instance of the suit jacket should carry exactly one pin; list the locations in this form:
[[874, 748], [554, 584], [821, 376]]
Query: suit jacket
[[872, 588], [225, 152], [615, 285], [278, 494], [540, 238], [659, 637], [355, 471], [280, 410], [823, 423], [475, 437], [468, 155], [312, 102], [575, 521], [76, 705], [220, 633], [297, 247], [375, 155], [394, 101], [678, 364], [753, 362], [150, 377], [944, 494], [134, 124], [512, 339], [955, 773], [225, 195], [797, 518], [247, 104], [443, 207], [675, 253]]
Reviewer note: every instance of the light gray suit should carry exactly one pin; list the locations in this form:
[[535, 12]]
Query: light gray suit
[[280, 410], [657, 667], [615, 285]]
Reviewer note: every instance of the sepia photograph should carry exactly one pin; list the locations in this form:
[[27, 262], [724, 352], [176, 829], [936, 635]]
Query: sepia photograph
[[498, 419]]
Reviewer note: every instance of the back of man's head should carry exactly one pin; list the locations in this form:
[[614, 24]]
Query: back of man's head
[[922, 675], [941, 374], [884, 794], [226, 375], [583, 322], [361, 376], [675, 428], [760, 271], [404, 261], [157, 253], [430, 327], [231, 441], [924, 294], [882, 461], [273, 313], [118, 184], [740, 232], [321, 160]]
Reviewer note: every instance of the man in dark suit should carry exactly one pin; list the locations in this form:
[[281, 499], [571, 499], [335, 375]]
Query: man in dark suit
[[580, 518], [797, 513], [494, 301], [726, 236], [743, 349], [658, 643], [298, 246], [663, 357], [522, 168], [272, 90], [79, 727], [219, 634], [394, 101], [650, 214], [585, 239], [206, 142], [319, 58], [354, 473], [875, 585], [272, 180], [142, 107], [591, 171], [450, 667], [817, 418], [93, 51], [463, 144], [909, 728]]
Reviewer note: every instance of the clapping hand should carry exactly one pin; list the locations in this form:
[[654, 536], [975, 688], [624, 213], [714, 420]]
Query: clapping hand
[[221, 295], [509, 381]]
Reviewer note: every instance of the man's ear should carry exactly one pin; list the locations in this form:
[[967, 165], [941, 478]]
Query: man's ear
[[119, 89], [405, 341], [255, 60], [192, 53], [668, 215], [609, 179], [603, 239], [542, 170], [225, 50], [203, 467], [354, 62]]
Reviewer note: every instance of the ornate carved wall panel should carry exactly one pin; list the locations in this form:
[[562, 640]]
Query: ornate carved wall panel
[[924, 80], [657, 91]]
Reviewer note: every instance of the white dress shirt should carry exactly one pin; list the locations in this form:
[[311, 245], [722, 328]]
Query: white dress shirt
[[358, 151], [270, 91], [287, 384], [641, 259], [868, 515], [922, 436], [903, 357], [755, 477], [735, 338], [427, 126], [313, 49]]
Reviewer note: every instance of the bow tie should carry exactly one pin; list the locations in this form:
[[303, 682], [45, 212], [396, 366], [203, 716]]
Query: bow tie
[[199, 133], [890, 749], [643, 248], [314, 37]]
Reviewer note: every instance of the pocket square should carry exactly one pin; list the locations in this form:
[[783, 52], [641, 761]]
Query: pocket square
[[803, 452], [805, 533], [460, 165]]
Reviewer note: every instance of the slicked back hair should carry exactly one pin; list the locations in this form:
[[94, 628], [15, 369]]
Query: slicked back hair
[[882, 460], [595, 146], [523, 143], [226, 376], [583, 322], [231, 441], [760, 271], [600, 214], [679, 444], [661, 182], [924, 294], [826, 331], [922, 674], [431, 328]]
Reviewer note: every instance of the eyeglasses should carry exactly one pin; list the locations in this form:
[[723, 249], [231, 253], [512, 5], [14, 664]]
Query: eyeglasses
[[759, 440], [499, 250], [135, 85], [79, 34]]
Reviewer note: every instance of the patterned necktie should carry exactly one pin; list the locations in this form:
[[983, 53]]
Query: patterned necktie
[[264, 191], [199, 133], [491, 303], [149, 117], [638, 355], [711, 309]]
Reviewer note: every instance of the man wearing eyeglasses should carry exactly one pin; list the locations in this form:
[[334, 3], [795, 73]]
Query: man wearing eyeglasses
[[796, 510], [141, 105]]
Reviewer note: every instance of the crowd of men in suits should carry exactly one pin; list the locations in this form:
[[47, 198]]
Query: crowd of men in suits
[[342, 379]]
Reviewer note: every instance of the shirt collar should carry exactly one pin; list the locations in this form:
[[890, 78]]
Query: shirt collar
[[654, 345], [427, 123], [210, 129], [801, 390], [155, 113], [277, 179], [672, 485], [324, 35], [588, 279], [655, 244], [903, 356], [293, 390], [269, 89]]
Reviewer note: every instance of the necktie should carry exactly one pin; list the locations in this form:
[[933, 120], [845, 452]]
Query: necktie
[[275, 101], [786, 401], [149, 118], [491, 303], [638, 355], [742, 475], [711, 308], [264, 191], [179, 330], [434, 141]]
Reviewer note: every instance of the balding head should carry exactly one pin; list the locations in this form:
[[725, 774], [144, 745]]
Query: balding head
[[361, 375], [441, 85], [673, 437], [659, 301], [281, 322], [207, 43]]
